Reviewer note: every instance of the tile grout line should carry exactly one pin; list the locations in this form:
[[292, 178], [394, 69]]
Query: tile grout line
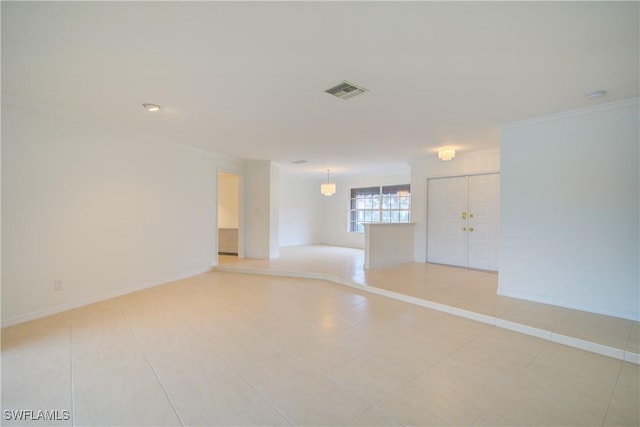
[[353, 418], [265, 398], [420, 373], [320, 372], [144, 353], [442, 361], [613, 391], [515, 380], [374, 406], [282, 414], [629, 338], [73, 393]]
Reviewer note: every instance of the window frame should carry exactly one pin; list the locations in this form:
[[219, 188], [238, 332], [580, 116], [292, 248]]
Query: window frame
[[389, 204]]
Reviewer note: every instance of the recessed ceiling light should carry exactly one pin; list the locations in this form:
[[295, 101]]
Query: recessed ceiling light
[[596, 94], [299, 162], [152, 107]]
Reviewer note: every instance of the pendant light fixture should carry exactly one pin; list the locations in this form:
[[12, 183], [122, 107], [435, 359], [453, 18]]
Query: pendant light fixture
[[328, 188], [446, 153]]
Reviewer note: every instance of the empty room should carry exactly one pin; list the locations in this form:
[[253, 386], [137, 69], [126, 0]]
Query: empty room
[[229, 213]]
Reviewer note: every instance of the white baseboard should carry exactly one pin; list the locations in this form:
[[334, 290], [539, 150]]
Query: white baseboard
[[91, 300], [543, 300]]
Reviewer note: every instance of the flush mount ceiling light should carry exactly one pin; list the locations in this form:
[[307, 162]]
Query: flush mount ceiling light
[[446, 153], [346, 90], [152, 107], [328, 188], [596, 94]]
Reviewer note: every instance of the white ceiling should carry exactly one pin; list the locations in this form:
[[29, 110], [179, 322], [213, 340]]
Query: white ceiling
[[247, 79]]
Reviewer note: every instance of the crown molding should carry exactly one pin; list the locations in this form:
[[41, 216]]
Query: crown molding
[[579, 113], [11, 101]]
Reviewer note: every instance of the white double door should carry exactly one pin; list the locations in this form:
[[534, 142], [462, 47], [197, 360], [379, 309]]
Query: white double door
[[463, 221]]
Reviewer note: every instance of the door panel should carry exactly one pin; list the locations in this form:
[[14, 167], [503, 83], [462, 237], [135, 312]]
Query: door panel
[[447, 242], [484, 220], [465, 242]]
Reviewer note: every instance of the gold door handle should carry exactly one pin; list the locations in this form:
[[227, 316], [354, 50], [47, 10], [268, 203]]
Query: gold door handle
[[470, 228], [470, 215], [464, 228], [464, 215]]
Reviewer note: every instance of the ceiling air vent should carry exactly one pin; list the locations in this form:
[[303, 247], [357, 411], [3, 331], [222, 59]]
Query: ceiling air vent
[[346, 90]]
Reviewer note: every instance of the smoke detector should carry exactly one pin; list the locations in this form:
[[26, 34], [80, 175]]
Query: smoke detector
[[346, 90]]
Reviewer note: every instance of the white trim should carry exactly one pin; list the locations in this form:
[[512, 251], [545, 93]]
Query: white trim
[[551, 119], [471, 315], [91, 300], [536, 298], [604, 350], [524, 329], [632, 357], [458, 175]]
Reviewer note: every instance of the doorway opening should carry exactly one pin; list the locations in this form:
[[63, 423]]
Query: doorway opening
[[228, 214]]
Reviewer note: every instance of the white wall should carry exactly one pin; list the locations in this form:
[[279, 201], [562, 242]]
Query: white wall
[[387, 244], [336, 208], [102, 210], [422, 169], [261, 209], [301, 215], [569, 210], [274, 210]]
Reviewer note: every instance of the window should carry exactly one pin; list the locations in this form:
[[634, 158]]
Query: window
[[388, 203]]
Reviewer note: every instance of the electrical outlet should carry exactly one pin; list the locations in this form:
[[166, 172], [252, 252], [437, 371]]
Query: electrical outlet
[[58, 285]]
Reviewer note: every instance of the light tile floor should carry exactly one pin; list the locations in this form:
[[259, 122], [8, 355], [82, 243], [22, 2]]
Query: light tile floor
[[454, 288], [234, 349]]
